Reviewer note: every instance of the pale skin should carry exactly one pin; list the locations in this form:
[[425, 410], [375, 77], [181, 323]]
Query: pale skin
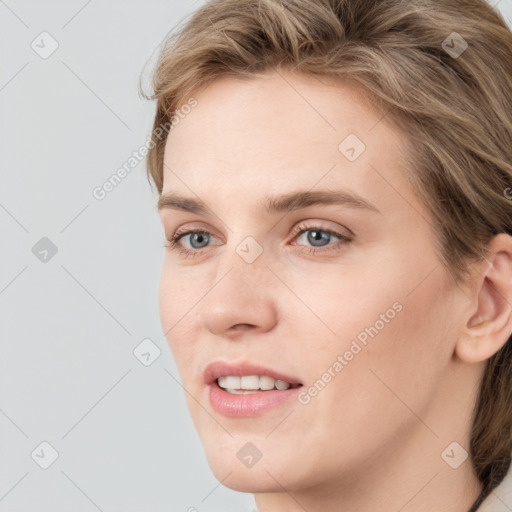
[[373, 438]]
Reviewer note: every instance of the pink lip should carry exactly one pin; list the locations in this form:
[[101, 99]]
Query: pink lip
[[251, 404]]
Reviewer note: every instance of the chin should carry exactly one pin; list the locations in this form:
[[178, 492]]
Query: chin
[[249, 480], [270, 473]]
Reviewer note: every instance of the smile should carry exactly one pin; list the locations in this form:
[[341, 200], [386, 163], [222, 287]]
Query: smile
[[245, 389]]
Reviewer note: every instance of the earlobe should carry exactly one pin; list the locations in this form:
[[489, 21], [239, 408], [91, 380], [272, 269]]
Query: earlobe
[[490, 325]]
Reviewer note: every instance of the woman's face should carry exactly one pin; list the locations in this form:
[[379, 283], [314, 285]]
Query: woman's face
[[365, 325]]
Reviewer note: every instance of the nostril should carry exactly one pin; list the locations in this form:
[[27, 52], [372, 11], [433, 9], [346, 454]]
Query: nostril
[[243, 327]]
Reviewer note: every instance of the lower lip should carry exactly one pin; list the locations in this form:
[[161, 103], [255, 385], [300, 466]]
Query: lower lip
[[249, 404]]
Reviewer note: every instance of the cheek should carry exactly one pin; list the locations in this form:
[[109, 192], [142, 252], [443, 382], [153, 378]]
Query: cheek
[[179, 292], [394, 349], [367, 403], [375, 332], [334, 308], [166, 299], [176, 302]]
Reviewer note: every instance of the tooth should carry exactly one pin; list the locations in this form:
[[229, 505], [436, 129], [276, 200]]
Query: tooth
[[250, 382], [280, 384], [230, 382], [266, 383]]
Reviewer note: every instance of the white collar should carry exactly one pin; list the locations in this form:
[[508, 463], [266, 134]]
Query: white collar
[[500, 499]]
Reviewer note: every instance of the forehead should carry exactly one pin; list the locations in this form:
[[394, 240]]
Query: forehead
[[279, 109], [282, 131]]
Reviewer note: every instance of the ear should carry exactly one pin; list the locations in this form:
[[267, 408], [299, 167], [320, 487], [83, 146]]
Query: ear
[[490, 323]]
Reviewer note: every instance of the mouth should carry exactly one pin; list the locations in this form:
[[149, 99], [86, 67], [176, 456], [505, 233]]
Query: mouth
[[245, 389], [247, 384]]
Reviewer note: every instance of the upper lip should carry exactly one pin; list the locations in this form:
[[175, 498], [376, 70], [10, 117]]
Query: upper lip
[[222, 368]]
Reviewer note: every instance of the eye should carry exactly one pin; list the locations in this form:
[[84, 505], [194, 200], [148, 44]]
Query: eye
[[318, 237], [197, 240]]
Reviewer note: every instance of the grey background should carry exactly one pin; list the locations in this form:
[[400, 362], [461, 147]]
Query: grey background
[[69, 325]]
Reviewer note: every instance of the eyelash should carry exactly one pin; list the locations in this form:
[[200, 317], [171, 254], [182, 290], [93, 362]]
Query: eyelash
[[173, 243]]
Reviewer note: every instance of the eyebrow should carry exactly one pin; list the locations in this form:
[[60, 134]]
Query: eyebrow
[[275, 204]]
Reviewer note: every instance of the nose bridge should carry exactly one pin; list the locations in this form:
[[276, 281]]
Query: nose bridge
[[245, 258], [241, 292], [244, 267]]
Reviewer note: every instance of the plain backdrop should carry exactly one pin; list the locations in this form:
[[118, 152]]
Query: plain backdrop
[[79, 277]]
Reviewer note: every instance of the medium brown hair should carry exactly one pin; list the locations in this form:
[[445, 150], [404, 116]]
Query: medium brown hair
[[455, 108]]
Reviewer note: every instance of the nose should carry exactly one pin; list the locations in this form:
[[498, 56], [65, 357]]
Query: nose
[[241, 299]]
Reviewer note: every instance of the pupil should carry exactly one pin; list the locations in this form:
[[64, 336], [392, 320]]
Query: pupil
[[196, 236], [316, 236]]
